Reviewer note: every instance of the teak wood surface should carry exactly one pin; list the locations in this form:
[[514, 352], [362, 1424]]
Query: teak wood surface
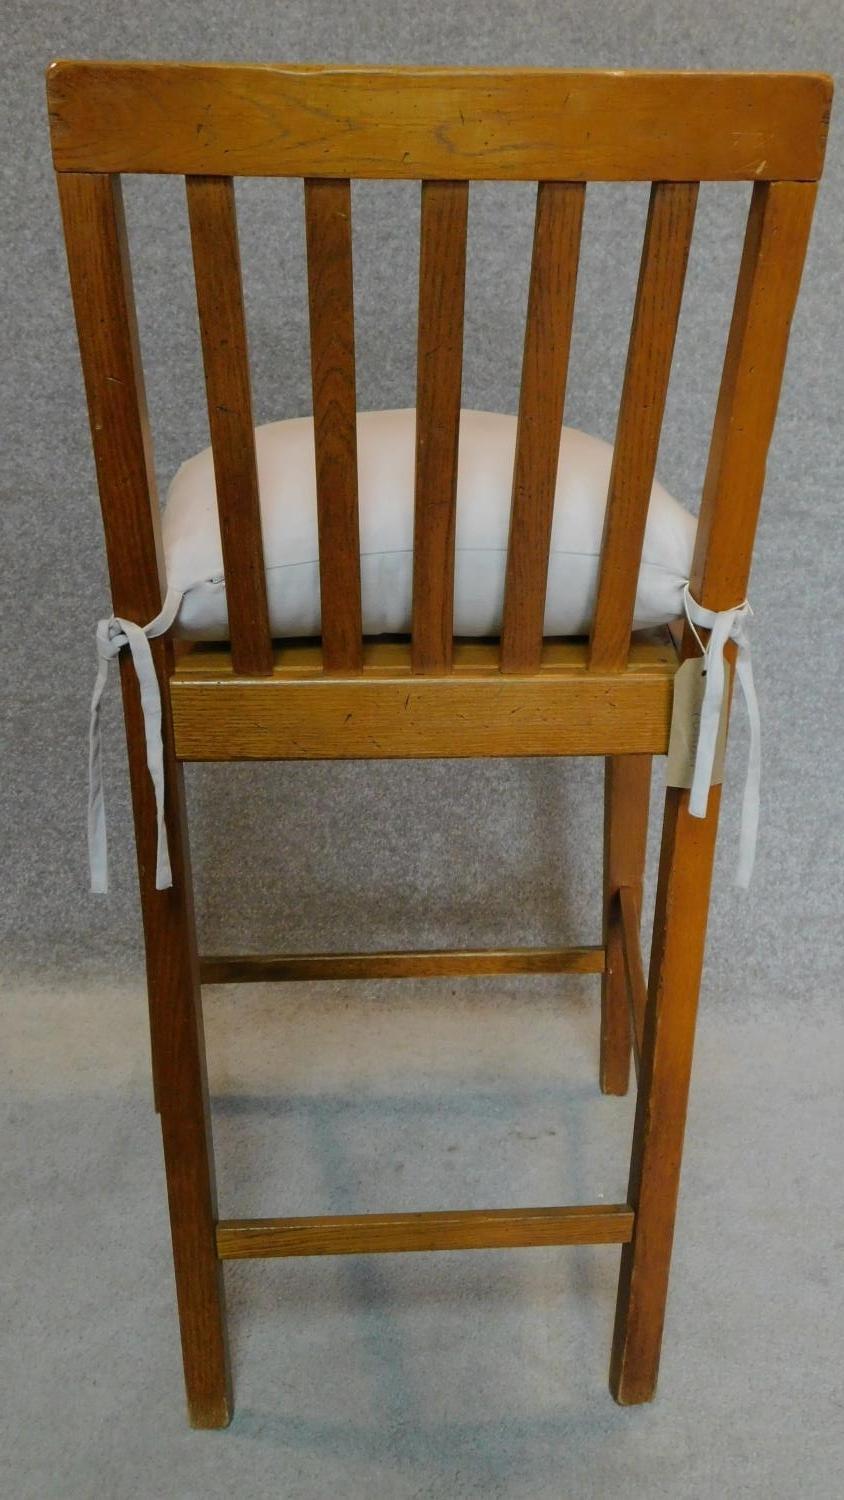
[[553, 277], [422, 964], [222, 323], [432, 695], [439, 364], [460, 1229], [328, 224], [662, 273], [516, 124], [627, 790], [566, 710]]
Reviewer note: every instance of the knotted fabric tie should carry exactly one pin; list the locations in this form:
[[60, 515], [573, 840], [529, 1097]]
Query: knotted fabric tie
[[112, 635], [725, 625]]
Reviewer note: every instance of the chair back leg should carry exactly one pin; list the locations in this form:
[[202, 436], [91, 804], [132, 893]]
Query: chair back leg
[[682, 909], [178, 1054]]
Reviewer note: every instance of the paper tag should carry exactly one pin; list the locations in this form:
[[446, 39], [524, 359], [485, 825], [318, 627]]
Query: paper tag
[[689, 688]]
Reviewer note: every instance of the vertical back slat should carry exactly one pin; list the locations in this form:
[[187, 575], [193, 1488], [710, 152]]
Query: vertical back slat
[[659, 294], [328, 225], [553, 276], [222, 322], [442, 277], [769, 279], [103, 301]]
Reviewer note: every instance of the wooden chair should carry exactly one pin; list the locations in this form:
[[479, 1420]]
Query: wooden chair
[[434, 697]]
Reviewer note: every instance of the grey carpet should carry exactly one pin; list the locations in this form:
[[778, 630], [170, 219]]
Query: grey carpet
[[443, 1376], [435, 1375]]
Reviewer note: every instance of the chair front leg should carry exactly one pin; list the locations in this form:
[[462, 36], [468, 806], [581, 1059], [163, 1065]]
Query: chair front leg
[[682, 907], [627, 787]]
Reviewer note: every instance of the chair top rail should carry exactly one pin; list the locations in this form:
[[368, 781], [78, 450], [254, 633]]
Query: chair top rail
[[285, 120]]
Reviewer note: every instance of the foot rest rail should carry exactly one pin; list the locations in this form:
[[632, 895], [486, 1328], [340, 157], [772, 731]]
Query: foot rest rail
[[463, 1229], [270, 967]]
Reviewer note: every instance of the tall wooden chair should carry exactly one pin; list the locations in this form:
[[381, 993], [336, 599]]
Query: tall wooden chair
[[433, 697]]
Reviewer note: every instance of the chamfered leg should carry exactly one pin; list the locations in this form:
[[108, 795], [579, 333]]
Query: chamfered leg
[[682, 907], [627, 785], [178, 1049]]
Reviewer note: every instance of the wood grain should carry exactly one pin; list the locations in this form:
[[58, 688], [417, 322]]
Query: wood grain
[[627, 788], [658, 297], [461, 1229], [439, 374], [390, 657], [769, 279], [104, 304], [576, 713], [222, 323], [328, 223], [629, 901], [106, 325], [775, 245], [435, 697], [274, 967], [682, 905], [553, 277], [337, 121], [178, 1045]]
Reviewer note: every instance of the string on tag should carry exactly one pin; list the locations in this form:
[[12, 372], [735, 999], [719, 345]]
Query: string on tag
[[725, 625]]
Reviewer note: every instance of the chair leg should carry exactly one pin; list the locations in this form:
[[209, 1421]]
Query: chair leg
[[682, 906], [627, 785], [178, 1050]]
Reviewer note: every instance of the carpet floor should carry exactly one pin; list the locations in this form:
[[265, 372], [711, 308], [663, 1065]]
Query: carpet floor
[[409, 1376]]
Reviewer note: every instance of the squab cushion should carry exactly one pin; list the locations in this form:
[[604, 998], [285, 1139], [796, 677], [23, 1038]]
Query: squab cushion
[[386, 449]]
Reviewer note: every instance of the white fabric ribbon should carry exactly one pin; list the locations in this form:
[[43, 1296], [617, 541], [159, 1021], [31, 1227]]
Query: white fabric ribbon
[[112, 635], [725, 625]]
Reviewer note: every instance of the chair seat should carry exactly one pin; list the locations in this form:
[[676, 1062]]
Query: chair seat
[[386, 712]]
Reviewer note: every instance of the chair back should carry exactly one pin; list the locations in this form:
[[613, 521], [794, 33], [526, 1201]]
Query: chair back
[[446, 128]]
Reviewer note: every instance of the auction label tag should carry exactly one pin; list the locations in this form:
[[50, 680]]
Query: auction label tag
[[689, 688]]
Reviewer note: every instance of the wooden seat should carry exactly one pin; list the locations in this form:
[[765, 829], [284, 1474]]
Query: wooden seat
[[387, 710], [344, 696]]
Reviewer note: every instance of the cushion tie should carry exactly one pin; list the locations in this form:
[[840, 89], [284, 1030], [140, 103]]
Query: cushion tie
[[112, 635], [725, 625], [115, 632]]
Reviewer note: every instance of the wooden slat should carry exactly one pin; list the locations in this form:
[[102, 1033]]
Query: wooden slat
[[462, 1229], [769, 279], [662, 274], [637, 989], [556, 248], [328, 222], [442, 276], [278, 718], [521, 123], [219, 294], [275, 967]]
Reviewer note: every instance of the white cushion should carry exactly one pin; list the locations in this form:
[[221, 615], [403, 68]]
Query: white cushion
[[386, 445]]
